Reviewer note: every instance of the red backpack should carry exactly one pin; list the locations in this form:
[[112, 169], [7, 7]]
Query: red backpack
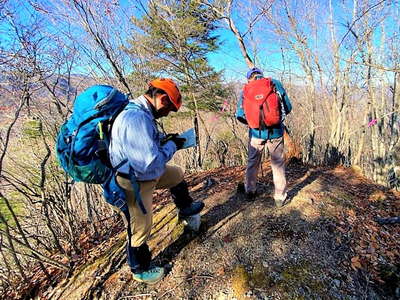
[[261, 104]]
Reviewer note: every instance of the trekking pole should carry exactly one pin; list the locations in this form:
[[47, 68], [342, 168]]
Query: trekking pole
[[262, 160]]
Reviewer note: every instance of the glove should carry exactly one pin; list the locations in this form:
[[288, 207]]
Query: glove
[[179, 141], [168, 137], [242, 120]]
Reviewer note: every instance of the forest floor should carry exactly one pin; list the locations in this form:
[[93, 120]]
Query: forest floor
[[325, 244]]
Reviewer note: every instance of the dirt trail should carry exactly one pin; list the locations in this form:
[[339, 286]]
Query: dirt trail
[[325, 244]]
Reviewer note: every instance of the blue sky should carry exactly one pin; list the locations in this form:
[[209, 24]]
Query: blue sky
[[229, 58]]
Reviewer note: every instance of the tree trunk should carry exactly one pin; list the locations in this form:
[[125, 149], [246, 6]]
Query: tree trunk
[[197, 156]]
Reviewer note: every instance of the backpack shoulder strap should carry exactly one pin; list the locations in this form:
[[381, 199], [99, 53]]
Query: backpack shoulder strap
[[106, 126], [132, 105], [268, 81]]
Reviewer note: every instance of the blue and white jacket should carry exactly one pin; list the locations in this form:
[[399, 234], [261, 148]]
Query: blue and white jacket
[[135, 136]]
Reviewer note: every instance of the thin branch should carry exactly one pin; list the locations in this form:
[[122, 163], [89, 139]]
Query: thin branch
[[8, 133], [367, 64], [256, 19], [30, 252], [357, 19]]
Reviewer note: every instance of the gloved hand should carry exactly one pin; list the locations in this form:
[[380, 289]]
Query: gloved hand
[[179, 141], [242, 120], [168, 137]]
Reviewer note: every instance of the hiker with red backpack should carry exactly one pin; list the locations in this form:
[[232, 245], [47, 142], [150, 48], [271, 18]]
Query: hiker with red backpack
[[263, 106], [135, 137]]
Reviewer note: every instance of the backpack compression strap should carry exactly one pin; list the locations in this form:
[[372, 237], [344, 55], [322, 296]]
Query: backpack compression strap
[[136, 189], [132, 177]]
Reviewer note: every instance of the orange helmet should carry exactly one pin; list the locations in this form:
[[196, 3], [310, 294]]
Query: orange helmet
[[168, 86]]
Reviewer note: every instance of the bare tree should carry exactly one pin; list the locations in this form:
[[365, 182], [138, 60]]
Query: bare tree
[[41, 209]]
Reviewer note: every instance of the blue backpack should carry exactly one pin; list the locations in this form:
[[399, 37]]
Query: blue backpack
[[83, 140]]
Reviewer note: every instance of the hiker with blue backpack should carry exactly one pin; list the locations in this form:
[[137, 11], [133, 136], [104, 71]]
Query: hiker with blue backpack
[[114, 141], [263, 106], [135, 136]]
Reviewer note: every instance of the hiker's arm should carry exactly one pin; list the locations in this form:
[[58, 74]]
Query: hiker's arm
[[144, 152], [240, 116], [286, 101]]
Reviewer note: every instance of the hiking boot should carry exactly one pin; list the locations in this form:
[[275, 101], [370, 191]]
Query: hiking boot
[[251, 196], [240, 188], [281, 202], [192, 222], [151, 276], [193, 209]]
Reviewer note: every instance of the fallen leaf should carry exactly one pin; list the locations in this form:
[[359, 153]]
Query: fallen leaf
[[356, 265], [220, 271], [227, 239]]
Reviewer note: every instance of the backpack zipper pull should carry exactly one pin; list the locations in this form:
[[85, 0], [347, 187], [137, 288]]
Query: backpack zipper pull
[[101, 134]]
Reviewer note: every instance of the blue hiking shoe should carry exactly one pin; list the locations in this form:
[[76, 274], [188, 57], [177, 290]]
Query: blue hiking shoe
[[193, 209], [151, 276]]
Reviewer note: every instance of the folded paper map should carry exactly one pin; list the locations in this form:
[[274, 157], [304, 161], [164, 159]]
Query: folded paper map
[[190, 136]]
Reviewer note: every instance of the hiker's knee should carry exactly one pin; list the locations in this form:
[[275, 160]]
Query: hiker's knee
[[177, 175], [172, 176], [141, 230]]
